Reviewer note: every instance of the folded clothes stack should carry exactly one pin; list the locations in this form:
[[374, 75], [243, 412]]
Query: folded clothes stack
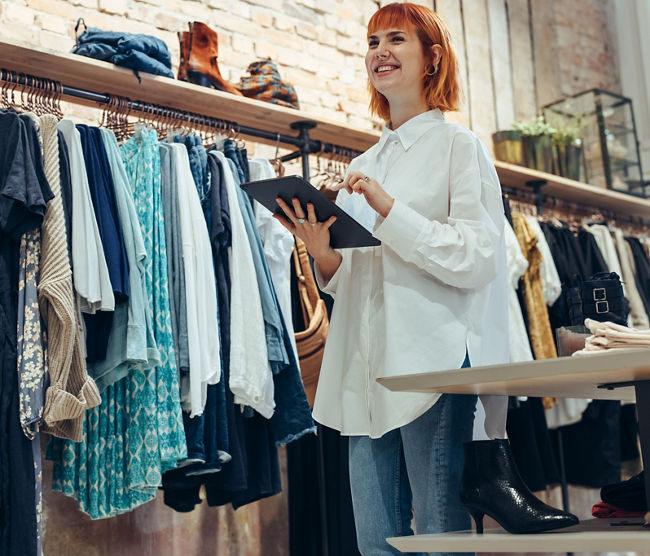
[[135, 51], [608, 335]]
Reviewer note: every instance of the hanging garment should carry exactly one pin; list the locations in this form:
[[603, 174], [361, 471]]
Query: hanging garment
[[142, 161], [292, 416], [638, 314], [24, 194], [249, 367], [551, 284], [136, 434], [278, 245], [540, 327], [175, 270], [131, 343], [200, 291], [66, 190], [69, 381], [642, 271], [517, 265], [90, 273], [102, 193]]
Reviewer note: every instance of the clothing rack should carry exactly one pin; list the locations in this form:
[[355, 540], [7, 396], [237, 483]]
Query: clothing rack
[[305, 144], [54, 91]]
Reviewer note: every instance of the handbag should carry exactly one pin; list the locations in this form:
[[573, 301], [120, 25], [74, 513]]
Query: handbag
[[311, 341], [600, 298]]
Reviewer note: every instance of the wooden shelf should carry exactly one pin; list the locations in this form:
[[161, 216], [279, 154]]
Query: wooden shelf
[[594, 535], [564, 377], [573, 191], [102, 77]]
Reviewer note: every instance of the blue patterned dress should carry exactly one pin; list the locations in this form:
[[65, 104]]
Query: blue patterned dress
[[136, 434]]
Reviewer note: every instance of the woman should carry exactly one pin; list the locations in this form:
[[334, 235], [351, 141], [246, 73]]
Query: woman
[[433, 296]]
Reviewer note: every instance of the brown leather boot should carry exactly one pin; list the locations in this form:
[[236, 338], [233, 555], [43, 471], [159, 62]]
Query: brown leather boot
[[199, 53]]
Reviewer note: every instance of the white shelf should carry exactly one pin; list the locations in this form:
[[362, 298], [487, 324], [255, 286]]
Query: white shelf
[[594, 535], [564, 377]]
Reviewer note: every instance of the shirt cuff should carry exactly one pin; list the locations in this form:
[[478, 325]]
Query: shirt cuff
[[401, 229], [328, 286]]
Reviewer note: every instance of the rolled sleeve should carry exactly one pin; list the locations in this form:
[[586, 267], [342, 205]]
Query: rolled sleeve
[[329, 286]]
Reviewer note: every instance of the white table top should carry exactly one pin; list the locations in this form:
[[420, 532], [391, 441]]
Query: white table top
[[564, 377], [594, 535]]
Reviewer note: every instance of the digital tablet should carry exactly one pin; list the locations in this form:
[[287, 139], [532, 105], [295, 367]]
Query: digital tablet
[[345, 232]]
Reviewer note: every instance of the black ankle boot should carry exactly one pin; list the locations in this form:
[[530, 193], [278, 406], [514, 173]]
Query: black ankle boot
[[492, 485]]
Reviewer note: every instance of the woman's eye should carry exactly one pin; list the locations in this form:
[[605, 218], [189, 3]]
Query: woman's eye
[[373, 43], [398, 39]]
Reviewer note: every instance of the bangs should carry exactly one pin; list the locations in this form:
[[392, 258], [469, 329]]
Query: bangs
[[393, 16]]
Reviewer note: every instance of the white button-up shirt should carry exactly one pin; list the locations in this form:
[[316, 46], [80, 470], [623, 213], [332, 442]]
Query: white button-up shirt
[[435, 289]]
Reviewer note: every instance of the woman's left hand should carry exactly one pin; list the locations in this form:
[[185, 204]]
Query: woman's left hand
[[375, 195]]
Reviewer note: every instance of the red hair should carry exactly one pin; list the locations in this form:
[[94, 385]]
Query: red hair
[[441, 90]]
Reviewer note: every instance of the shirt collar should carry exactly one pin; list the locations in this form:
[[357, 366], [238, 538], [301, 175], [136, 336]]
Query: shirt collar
[[409, 132]]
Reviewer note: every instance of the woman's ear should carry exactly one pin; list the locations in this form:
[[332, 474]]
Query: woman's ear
[[436, 54]]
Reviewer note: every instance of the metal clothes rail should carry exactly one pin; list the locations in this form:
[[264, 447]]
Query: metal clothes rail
[[302, 141]]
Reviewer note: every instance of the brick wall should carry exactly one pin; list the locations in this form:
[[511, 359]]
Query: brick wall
[[515, 54]]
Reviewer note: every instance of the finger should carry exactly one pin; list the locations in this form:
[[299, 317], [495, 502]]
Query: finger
[[297, 207], [329, 221], [286, 209], [311, 214]]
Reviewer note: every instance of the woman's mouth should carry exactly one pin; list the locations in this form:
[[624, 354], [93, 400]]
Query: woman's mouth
[[385, 68]]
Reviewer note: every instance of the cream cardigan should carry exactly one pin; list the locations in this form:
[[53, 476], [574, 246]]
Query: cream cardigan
[[71, 390]]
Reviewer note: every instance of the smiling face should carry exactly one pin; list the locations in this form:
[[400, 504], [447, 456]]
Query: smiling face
[[395, 63]]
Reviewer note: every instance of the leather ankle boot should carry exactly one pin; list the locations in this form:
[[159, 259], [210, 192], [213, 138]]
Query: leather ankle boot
[[199, 53], [491, 485]]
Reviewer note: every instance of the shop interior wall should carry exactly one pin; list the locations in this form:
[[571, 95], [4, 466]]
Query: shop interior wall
[[514, 55]]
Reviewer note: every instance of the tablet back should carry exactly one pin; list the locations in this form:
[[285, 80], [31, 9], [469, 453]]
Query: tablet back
[[345, 232]]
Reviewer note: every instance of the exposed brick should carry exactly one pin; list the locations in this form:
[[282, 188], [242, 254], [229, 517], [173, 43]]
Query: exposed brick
[[284, 23], [262, 17], [117, 7], [53, 41], [266, 50], [56, 24], [86, 3], [242, 44], [16, 13], [306, 30]]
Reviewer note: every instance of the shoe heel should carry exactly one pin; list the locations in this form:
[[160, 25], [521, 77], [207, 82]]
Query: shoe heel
[[199, 78], [477, 515]]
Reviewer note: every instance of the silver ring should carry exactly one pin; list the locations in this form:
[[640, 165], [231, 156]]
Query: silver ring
[[301, 220], [366, 178], [312, 223]]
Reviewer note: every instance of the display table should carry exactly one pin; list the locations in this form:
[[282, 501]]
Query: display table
[[616, 375], [593, 535]]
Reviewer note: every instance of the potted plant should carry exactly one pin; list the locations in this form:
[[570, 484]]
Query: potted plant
[[567, 141], [537, 141], [508, 146]]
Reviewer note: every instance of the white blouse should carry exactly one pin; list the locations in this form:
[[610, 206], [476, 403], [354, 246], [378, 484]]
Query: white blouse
[[200, 290], [435, 289]]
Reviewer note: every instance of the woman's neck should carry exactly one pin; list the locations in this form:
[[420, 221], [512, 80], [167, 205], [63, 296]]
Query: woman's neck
[[403, 112]]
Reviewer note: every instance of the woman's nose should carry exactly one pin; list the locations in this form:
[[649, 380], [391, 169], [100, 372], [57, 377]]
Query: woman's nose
[[382, 51]]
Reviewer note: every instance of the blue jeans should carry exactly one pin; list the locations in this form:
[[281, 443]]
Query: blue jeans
[[416, 467]]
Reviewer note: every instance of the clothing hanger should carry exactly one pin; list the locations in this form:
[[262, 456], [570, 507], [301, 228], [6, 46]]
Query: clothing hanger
[[275, 161]]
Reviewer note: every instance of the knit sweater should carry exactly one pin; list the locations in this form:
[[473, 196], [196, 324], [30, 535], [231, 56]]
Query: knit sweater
[[71, 390]]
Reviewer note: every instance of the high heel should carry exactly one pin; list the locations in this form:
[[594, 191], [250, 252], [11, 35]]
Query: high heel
[[477, 515], [491, 485]]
